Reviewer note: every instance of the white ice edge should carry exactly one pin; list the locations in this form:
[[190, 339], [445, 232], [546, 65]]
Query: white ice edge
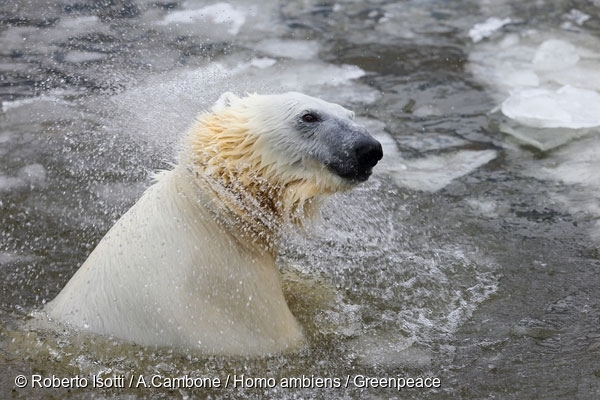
[[431, 173]]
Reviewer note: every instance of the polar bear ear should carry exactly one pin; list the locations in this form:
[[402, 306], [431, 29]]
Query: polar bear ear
[[224, 101]]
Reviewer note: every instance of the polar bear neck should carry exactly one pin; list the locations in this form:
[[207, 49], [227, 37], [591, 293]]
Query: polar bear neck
[[227, 158]]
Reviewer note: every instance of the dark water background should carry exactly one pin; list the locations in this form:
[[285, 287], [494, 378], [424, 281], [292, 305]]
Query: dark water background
[[465, 258]]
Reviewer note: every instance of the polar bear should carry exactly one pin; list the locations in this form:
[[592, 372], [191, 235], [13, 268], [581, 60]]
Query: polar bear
[[192, 263]]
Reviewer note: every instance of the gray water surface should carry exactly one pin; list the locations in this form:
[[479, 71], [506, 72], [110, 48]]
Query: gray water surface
[[471, 256]]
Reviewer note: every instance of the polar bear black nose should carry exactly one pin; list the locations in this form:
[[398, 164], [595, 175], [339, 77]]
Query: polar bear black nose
[[368, 152], [352, 153]]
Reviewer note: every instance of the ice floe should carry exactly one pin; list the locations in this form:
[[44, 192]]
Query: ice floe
[[566, 107], [575, 165], [429, 173], [435, 172], [576, 16], [555, 55], [287, 48], [84, 56], [33, 174], [262, 62], [215, 14], [485, 29], [429, 141], [547, 84]]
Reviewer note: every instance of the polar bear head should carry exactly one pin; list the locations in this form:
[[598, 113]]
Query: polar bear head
[[277, 155]]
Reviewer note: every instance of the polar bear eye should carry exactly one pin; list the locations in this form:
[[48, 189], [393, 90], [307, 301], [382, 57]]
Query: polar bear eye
[[310, 117]]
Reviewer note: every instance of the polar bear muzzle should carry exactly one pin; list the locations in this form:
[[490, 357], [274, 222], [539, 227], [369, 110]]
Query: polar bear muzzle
[[361, 157], [352, 151]]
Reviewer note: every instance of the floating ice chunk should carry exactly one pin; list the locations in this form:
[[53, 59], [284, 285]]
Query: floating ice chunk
[[516, 61], [70, 26], [431, 173], [577, 165], [543, 139], [567, 107], [78, 23], [349, 92], [555, 55], [430, 141], [523, 77], [524, 71], [582, 172], [33, 174], [218, 13], [294, 49], [505, 65], [485, 29], [307, 75], [509, 40], [263, 62], [577, 16], [346, 73], [84, 56], [583, 75]]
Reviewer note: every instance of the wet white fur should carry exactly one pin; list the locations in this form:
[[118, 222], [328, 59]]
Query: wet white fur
[[171, 273], [168, 274]]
